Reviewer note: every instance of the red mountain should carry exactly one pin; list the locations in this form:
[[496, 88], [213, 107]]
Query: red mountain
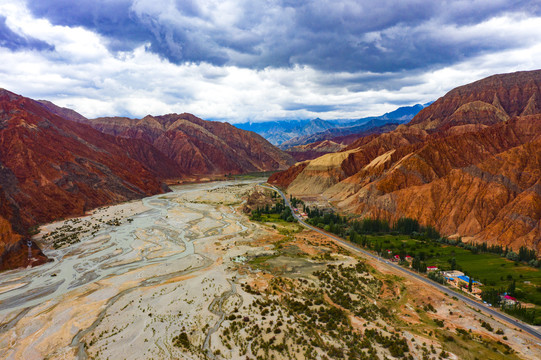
[[184, 146], [153, 159], [469, 164], [485, 102], [52, 168], [199, 147]]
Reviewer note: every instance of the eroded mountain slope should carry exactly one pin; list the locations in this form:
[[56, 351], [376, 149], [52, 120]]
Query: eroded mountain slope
[[468, 164], [52, 168], [198, 146]]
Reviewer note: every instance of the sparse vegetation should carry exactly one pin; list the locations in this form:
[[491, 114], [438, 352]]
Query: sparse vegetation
[[73, 230], [303, 316]]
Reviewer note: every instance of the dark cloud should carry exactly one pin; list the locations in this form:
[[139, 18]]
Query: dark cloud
[[113, 19], [13, 41], [333, 36]]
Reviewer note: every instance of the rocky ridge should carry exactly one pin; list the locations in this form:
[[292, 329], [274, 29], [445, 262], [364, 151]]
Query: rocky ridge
[[314, 150], [468, 165], [199, 147]]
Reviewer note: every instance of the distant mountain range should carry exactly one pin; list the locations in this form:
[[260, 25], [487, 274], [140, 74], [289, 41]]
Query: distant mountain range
[[276, 132], [469, 164], [289, 133]]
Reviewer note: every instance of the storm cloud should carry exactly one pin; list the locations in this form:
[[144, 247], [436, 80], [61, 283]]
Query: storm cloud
[[339, 35], [13, 41], [326, 58]]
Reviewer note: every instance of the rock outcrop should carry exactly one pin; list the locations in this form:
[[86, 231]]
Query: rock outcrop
[[469, 164]]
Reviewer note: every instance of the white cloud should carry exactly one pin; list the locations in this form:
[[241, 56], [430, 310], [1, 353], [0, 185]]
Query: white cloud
[[71, 44], [82, 74]]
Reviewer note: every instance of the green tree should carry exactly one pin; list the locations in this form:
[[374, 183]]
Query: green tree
[[511, 288]]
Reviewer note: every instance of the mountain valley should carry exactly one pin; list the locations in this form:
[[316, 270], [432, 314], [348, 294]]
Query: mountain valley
[[122, 236], [55, 167]]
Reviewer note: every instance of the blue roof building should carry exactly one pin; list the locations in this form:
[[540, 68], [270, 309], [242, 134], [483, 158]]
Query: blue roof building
[[466, 279]]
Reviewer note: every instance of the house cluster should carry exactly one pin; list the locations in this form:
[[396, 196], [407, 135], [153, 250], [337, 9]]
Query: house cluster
[[396, 258], [459, 280], [454, 278], [301, 213]]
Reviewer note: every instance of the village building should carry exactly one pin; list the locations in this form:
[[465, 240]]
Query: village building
[[466, 279], [509, 300], [453, 273]]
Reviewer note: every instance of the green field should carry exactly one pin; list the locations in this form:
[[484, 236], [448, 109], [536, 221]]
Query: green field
[[284, 227], [492, 270], [252, 175]]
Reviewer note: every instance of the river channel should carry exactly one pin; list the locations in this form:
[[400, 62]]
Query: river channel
[[47, 310]]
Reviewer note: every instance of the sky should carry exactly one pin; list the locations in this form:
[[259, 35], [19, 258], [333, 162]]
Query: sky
[[256, 60]]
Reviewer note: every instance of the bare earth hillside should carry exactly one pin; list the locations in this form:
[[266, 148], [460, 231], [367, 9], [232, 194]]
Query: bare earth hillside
[[468, 164]]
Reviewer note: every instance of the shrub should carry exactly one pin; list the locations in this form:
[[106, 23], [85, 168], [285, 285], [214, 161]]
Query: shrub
[[182, 341]]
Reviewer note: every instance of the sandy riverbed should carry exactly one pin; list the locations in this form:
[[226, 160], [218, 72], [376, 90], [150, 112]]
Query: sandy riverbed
[[143, 272], [135, 283]]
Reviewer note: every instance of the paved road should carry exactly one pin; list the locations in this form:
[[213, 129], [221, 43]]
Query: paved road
[[478, 305]]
